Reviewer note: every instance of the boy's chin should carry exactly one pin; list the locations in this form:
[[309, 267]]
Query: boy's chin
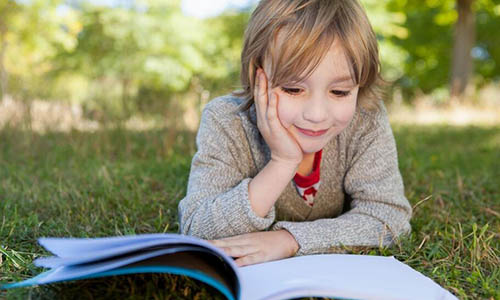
[[311, 149], [313, 145]]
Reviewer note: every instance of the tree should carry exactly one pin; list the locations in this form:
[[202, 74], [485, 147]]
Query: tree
[[464, 40], [445, 39]]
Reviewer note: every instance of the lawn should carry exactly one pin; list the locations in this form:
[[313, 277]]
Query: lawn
[[116, 182]]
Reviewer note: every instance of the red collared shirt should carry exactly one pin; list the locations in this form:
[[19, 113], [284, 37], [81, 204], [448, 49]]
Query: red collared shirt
[[307, 186]]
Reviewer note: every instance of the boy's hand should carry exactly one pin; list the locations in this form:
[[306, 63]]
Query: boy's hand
[[258, 247], [284, 147]]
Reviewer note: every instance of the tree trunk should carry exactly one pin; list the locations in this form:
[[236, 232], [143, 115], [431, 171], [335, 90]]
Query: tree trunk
[[465, 35]]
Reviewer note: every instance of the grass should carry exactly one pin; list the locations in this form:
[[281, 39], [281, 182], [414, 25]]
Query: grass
[[118, 182]]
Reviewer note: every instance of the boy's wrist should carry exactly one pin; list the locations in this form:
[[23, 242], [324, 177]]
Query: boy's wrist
[[294, 246], [285, 165]]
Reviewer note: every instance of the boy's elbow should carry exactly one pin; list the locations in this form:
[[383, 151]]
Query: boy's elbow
[[184, 219], [402, 226], [399, 232], [185, 227], [188, 224], [194, 231], [406, 228]]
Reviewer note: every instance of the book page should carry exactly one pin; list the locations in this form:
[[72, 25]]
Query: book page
[[75, 247], [339, 276], [105, 253], [88, 257], [181, 259]]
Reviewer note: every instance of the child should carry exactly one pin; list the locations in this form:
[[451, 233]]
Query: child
[[303, 160]]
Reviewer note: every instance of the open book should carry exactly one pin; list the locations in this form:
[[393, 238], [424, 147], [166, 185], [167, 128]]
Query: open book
[[325, 275]]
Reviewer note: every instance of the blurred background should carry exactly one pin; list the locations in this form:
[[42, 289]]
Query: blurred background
[[88, 64]]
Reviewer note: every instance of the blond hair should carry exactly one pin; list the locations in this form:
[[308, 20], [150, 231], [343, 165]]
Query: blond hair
[[310, 27]]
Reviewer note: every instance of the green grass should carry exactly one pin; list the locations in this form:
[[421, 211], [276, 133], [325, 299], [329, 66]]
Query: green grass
[[121, 182]]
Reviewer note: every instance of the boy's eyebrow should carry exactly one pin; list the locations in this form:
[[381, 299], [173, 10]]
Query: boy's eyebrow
[[340, 79]]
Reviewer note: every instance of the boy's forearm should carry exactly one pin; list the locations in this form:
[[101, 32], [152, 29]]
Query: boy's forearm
[[265, 188]]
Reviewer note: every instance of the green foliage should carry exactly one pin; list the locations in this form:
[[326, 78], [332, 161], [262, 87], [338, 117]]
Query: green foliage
[[428, 45], [488, 22], [114, 58], [226, 32], [425, 66], [387, 25], [120, 51], [140, 55], [32, 33], [132, 57]]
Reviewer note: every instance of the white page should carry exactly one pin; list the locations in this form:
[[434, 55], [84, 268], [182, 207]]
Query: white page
[[72, 272], [338, 275], [91, 251], [90, 256], [98, 248], [73, 247]]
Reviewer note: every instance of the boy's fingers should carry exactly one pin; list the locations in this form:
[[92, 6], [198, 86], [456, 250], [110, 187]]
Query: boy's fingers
[[271, 110], [263, 86], [236, 240], [247, 260], [239, 251], [260, 96], [256, 87]]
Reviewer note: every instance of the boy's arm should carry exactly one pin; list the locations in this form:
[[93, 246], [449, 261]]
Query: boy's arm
[[379, 210], [265, 188], [217, 202]]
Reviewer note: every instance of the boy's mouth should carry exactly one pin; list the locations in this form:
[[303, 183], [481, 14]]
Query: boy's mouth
[[312, 132]]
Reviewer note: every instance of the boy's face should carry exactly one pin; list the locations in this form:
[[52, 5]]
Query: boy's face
[[325, 101]]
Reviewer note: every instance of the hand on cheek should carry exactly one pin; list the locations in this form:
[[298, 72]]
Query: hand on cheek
[[258, 247], [284, 147]]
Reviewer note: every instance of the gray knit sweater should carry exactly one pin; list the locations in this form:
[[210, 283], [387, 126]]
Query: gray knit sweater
[[360, 201]]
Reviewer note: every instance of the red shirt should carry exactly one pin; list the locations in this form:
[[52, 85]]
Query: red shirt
[[307, 186]]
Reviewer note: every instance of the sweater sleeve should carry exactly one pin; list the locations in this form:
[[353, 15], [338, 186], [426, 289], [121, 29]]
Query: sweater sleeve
[[379, 210], [216, 204]]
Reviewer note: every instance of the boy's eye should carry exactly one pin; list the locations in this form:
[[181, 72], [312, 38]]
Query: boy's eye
[[340, 93], [291, 91], [297, 91]]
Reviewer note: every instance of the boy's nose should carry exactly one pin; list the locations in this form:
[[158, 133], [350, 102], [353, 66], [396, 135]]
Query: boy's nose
[[315, 110]]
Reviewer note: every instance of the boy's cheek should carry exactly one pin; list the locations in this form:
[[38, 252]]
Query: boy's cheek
[[286, 113], [346, 116], [345, 113]]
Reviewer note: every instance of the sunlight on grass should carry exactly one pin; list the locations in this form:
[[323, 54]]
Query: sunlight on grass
[[457, 115]]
